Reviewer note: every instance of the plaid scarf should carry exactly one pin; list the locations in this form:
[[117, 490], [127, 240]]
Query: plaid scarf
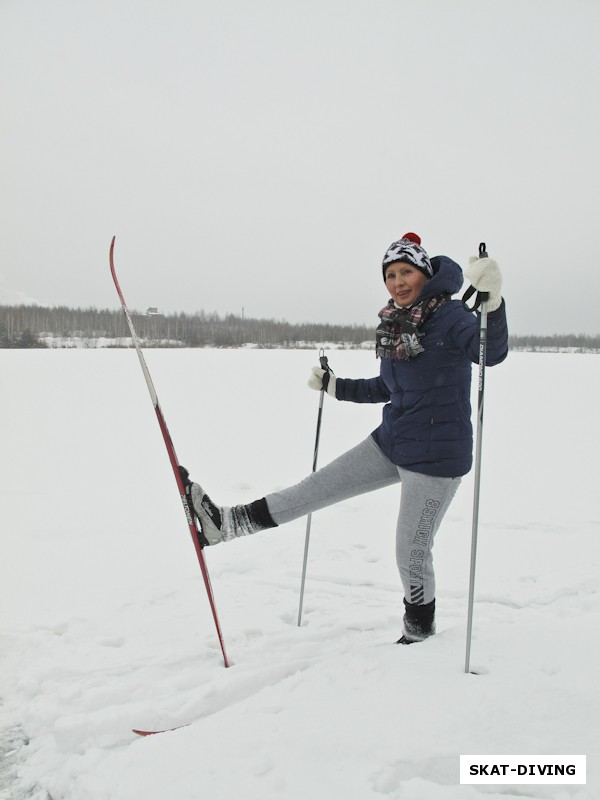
[[398, 335]]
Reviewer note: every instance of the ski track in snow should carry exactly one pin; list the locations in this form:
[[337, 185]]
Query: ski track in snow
[[105, 627]]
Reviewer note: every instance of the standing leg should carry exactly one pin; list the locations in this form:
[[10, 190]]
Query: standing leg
[[424, 501]]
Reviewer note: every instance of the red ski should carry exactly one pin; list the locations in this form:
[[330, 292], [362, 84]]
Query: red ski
[[165, 730], [192, 521]]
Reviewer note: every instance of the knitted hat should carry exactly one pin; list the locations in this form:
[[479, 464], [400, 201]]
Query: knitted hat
[[408, 249]]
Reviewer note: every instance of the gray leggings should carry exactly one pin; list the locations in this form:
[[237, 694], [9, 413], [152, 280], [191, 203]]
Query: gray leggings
[[423, 503]]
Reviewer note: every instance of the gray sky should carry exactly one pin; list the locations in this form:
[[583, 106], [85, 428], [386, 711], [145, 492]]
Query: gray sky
[[263, 154]]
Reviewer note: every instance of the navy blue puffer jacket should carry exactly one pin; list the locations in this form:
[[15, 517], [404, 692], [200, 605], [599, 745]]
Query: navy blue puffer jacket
[[426, 425]]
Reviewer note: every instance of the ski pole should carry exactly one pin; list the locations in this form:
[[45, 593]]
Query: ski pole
[[480, 300], [324, 365]]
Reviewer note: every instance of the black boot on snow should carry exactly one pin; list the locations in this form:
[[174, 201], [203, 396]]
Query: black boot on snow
[[418, 622]]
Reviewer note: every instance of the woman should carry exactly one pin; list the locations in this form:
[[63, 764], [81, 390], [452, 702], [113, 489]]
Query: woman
[[426, 343]]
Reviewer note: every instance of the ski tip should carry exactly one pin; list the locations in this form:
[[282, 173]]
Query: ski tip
[[139, 732]]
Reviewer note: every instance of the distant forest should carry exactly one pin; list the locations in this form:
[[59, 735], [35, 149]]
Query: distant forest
[[39, 326], [29, 326]]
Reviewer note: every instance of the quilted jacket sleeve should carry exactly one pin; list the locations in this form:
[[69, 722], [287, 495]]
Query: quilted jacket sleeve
[[362, 390], [465, 334]]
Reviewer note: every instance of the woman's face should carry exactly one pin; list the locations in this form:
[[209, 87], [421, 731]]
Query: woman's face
[[404, 282]]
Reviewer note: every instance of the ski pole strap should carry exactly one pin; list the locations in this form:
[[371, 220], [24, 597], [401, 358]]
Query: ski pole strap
[[481, 297], [324, 365]]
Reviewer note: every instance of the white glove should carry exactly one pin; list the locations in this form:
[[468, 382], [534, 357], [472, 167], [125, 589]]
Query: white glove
[[315, 380], [484, 274]]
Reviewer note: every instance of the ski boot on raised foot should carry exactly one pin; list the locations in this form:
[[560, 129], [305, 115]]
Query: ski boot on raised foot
[[221, 523], [418, 622]]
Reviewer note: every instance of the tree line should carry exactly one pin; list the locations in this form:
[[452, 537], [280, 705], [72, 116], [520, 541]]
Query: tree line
[[562, 341], [33, 326], [29, 326]]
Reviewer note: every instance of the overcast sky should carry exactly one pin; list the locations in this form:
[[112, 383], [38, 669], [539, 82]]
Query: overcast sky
[[263, 154]]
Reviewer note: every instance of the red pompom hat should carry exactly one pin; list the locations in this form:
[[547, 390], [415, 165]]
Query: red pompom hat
[[408, 249]]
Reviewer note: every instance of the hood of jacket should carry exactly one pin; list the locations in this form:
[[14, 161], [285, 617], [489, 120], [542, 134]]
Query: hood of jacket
[[447, 277]]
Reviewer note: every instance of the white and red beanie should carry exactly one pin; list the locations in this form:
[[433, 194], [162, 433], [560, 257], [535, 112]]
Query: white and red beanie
[[408, 249]]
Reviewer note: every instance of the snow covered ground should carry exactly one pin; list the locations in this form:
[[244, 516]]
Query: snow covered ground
[[105, 626]]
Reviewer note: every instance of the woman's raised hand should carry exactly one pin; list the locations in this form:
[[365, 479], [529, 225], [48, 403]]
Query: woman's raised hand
[[484, 274]]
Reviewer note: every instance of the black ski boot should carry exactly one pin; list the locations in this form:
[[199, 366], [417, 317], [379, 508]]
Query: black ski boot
[[418, 622], [220, 523]]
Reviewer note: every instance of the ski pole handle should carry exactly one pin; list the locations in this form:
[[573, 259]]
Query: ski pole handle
[[324, 365], [481, 297]]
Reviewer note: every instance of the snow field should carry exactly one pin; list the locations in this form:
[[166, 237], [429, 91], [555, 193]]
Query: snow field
[[105, 625]]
